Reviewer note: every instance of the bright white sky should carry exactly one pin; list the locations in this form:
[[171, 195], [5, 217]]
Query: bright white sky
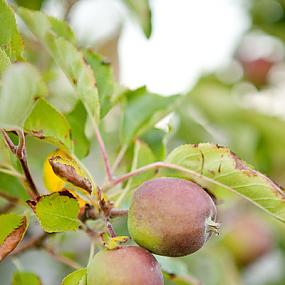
[[189, 37]]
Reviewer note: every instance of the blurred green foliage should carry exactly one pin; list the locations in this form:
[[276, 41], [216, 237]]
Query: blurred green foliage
[[80, 90]]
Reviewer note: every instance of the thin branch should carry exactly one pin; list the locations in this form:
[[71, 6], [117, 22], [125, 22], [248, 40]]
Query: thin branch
[[20, 152], [9, 142], [63, 259], [119, 158], [118, 213], [68, 6], [155, 165], [158, 165], [103, 150], [33, 242], [110, 229]]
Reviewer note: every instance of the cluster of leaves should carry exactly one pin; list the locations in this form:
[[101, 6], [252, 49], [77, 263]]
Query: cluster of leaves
[[28, 115]]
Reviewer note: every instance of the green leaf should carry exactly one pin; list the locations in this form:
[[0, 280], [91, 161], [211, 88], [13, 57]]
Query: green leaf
[[13, 228], [155, 138], [4, 61], [220, 171], [22, 84], [77, 277], [9, 222], [55, 36], [57, 212], [142, 110], [41, 24], [77, 119], [10, 185], [104, 80], [141, 10], [31, 4], [10, 39], [253, 135], [45, 122], [25, 278], [80, 75]]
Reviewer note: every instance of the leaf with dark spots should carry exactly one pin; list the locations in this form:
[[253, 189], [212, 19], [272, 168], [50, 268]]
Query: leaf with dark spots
[[224, 173], [56, 212], [13, 228], [68, 171]]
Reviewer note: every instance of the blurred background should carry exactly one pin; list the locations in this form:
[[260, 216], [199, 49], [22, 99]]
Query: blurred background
[[227, 58]]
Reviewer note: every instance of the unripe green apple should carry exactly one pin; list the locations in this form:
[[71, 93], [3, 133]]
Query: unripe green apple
[[128, 265], [171, 217]]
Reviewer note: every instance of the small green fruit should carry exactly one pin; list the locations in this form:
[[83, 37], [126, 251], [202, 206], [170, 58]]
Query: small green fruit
[[129, 265], [171, 217]]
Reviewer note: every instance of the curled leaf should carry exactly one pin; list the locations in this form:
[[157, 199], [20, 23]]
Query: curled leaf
[[65, 167], [13, 228]]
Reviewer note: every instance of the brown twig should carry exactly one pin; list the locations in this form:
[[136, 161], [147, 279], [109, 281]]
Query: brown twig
[[20, 152], [106, 207], [110, 228], [68, 6]]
